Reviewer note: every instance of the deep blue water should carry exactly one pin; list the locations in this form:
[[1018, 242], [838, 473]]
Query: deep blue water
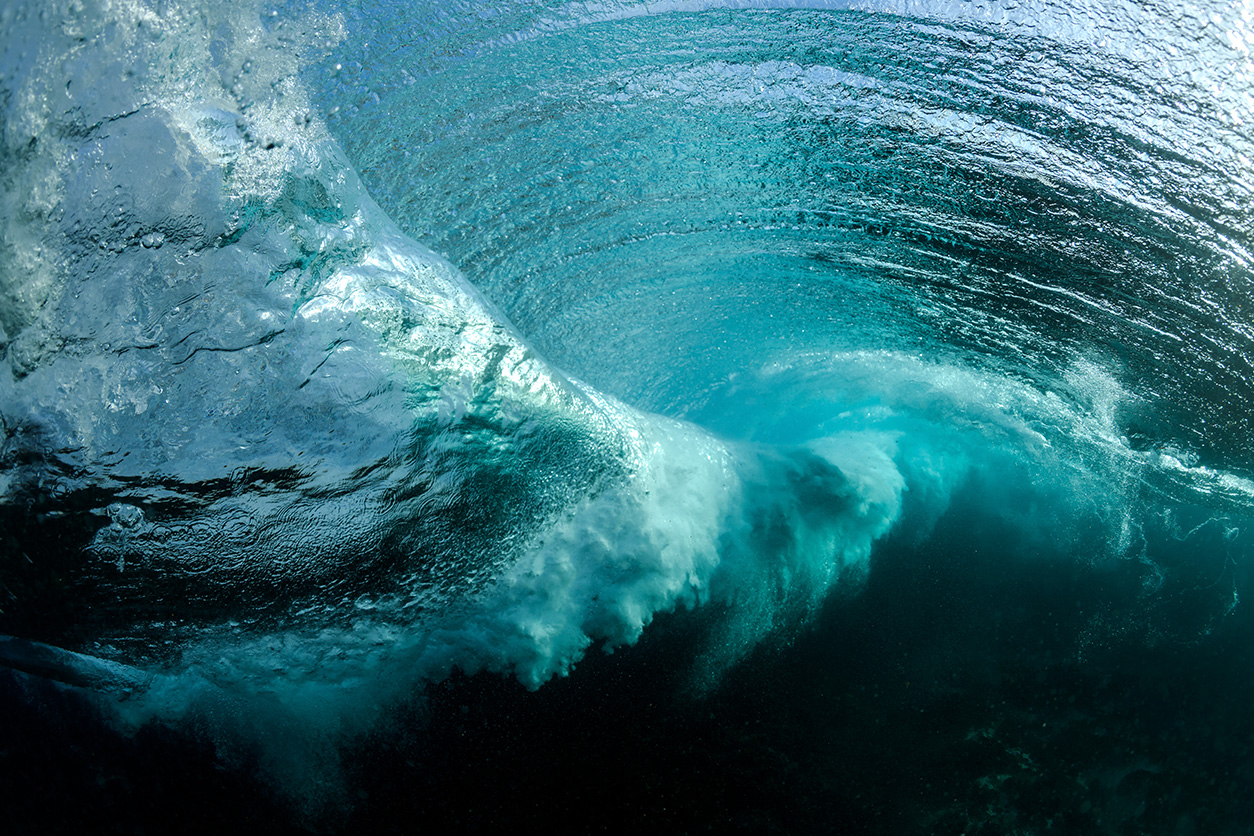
[[775, 417]]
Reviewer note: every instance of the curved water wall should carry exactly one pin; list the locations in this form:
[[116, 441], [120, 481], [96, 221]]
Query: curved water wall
[[880, 369]]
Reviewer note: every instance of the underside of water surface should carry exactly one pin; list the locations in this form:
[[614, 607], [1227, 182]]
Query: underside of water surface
[[774, 417]]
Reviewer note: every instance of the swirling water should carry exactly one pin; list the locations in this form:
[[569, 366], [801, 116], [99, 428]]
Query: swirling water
[[872, 377]]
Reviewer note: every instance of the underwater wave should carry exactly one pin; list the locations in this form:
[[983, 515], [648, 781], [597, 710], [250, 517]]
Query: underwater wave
[[878, 369]]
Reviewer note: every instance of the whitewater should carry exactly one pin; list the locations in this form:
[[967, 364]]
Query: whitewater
[[776, 416]]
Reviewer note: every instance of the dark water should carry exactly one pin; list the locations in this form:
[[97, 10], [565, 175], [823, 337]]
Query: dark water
[[872, 379]]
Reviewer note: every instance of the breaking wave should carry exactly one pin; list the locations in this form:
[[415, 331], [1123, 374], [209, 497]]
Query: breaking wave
[[705, 308]]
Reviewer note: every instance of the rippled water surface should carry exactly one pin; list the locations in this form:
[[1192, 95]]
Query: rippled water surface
[[706, 190], [872, 379]]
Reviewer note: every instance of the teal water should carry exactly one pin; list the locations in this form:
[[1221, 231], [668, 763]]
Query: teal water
[[871, 379]]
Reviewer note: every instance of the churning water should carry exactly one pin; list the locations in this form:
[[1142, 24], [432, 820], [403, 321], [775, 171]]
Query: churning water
[[873, 377]]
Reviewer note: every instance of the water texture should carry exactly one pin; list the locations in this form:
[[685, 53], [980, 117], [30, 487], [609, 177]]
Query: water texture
[[796, 417]]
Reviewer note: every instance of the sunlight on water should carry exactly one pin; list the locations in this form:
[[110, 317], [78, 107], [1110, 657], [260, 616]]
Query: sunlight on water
[[358, 355]]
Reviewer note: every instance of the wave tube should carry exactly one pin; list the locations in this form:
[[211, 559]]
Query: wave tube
[[876, 373]]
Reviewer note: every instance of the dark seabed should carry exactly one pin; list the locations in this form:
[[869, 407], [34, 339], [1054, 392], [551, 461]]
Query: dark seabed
[[675, 417]]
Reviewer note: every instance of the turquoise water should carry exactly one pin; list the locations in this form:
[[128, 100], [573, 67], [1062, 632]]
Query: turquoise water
[[869, 380]]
